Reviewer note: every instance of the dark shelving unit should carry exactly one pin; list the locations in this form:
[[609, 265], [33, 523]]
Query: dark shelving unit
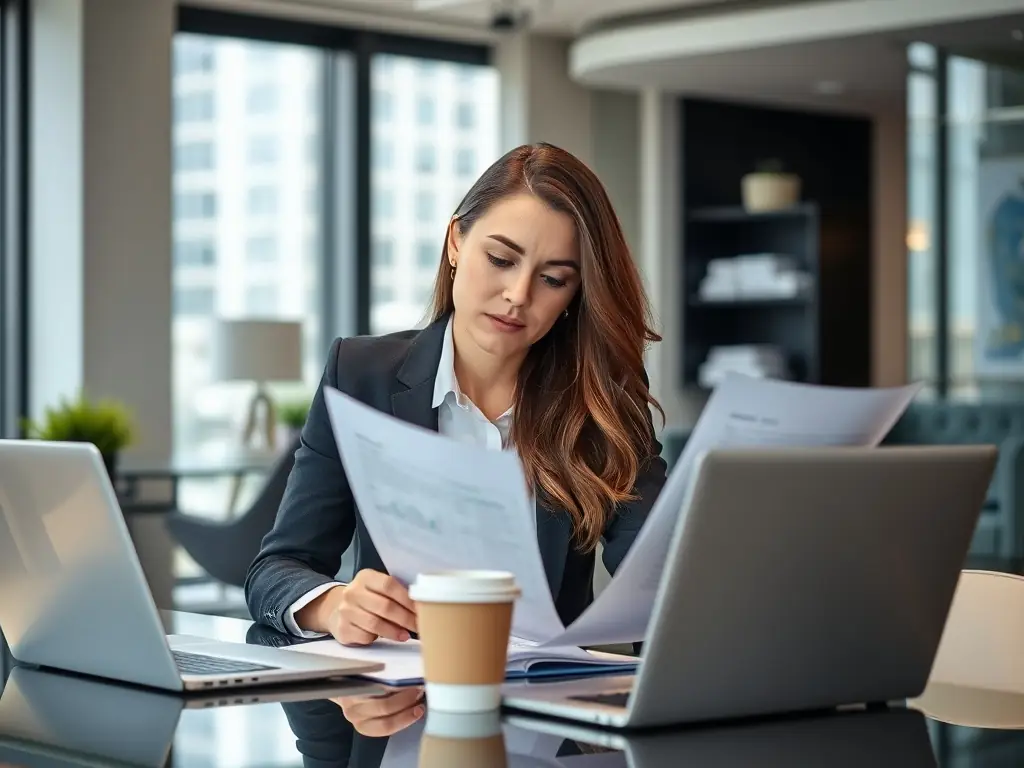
[[823, 332], [735, 213]]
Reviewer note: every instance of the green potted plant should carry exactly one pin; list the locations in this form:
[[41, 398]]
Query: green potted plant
[[291, 416], [106, 423], [770, 187]]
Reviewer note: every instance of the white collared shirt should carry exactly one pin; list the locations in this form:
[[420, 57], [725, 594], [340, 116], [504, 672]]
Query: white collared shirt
[[457, 418], [457, 415]]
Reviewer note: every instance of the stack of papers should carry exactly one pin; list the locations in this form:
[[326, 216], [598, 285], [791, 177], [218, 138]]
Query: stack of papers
[[403, 663], [432, 503], [754, 276]]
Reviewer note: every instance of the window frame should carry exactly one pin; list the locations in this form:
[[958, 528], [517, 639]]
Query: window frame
[[14, 212], [339, 290]]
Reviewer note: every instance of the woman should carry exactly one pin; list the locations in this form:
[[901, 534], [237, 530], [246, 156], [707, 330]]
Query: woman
[[536, 345]]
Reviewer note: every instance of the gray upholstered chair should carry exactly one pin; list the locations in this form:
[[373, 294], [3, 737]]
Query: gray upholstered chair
[[1000, 530], [226, 549]]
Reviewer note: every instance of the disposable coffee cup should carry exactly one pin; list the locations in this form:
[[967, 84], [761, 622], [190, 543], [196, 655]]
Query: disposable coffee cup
[[462, 740], [464, 619]]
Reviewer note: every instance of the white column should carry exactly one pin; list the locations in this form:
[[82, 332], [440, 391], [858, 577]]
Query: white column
[[539, 102], [512, 59], [660, 252], [889, 264]]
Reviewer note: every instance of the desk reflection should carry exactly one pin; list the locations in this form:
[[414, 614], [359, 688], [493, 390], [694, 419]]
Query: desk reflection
[[49, 718]]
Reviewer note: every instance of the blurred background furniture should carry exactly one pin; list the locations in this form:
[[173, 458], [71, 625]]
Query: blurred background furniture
[[988, 659], [999, 531], [260, 351], [225, 549], [788, 290], [999, 538]]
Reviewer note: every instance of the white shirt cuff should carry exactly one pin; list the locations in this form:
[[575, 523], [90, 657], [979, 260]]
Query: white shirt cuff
[[302, 602]]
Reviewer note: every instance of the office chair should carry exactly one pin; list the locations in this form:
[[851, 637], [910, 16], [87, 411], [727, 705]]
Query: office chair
[[226, 549]]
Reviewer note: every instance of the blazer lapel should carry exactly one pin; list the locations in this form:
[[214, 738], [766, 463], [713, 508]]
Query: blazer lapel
[[415, 405], [413, 400]]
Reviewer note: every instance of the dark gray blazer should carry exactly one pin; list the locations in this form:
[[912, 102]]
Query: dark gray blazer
[[318, 516]]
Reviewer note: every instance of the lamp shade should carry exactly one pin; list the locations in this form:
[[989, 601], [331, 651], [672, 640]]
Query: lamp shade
[[258, 350]]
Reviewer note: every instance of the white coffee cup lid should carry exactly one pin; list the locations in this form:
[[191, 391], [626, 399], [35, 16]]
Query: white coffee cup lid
[[464, 587]]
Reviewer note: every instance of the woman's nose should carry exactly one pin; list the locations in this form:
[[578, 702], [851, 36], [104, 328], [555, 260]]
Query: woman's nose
[[517, 291]]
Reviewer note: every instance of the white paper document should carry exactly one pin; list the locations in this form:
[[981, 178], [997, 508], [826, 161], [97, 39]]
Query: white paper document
[[403, 662], [430, 502]]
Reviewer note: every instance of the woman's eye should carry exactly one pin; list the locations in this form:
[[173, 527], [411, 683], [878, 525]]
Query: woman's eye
[[554, 282], [498, 261]]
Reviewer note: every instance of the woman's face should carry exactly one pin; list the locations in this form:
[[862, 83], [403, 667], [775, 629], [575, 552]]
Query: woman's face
[[517, 269]]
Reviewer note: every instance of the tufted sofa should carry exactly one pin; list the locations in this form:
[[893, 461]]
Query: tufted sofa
[[1000, 530]]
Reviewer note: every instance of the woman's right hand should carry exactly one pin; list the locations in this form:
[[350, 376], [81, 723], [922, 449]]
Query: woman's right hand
[[383, 715], [372, 605]]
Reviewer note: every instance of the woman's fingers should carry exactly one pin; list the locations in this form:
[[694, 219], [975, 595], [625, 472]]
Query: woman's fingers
[[386, 726], [389, 586], [386, 608], [374, 605], [361, 619], [367, 707], [383, 715]]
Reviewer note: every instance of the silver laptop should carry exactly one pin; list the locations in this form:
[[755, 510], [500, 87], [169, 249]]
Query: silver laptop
[[797, 579], [73, 595]]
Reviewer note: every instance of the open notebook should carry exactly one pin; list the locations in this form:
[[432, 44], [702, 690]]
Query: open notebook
[[403, 664]]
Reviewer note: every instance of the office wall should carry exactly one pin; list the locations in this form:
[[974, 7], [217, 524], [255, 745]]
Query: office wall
[[101, 214], [127, 206], [538, 101], [615, 142]]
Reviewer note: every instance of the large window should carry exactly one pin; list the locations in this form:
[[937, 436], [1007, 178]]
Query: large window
[[297, 197], [430, 163], [247, 228], [966, 235]]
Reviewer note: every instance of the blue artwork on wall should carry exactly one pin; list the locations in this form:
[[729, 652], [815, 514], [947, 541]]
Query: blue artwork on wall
[[1000, 332]]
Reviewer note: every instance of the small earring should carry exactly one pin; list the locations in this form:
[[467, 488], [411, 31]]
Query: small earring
[[453, 273], [565, 314]]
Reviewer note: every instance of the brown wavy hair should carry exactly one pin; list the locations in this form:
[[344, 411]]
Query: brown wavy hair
[[581, 423]]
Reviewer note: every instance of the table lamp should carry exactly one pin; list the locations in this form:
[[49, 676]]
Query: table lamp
[[261, 351]]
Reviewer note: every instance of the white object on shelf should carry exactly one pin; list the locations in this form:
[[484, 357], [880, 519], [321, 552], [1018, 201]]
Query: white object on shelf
[[754, 276], [770, 191], [763, 361]]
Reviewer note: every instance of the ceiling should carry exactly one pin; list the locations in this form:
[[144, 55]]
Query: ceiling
[[863, 74], [548, 16]]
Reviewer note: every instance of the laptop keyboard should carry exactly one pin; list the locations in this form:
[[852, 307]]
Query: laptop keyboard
[[610, 699], [198, 664]]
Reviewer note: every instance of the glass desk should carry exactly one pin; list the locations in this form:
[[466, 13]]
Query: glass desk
[[49, 718]]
